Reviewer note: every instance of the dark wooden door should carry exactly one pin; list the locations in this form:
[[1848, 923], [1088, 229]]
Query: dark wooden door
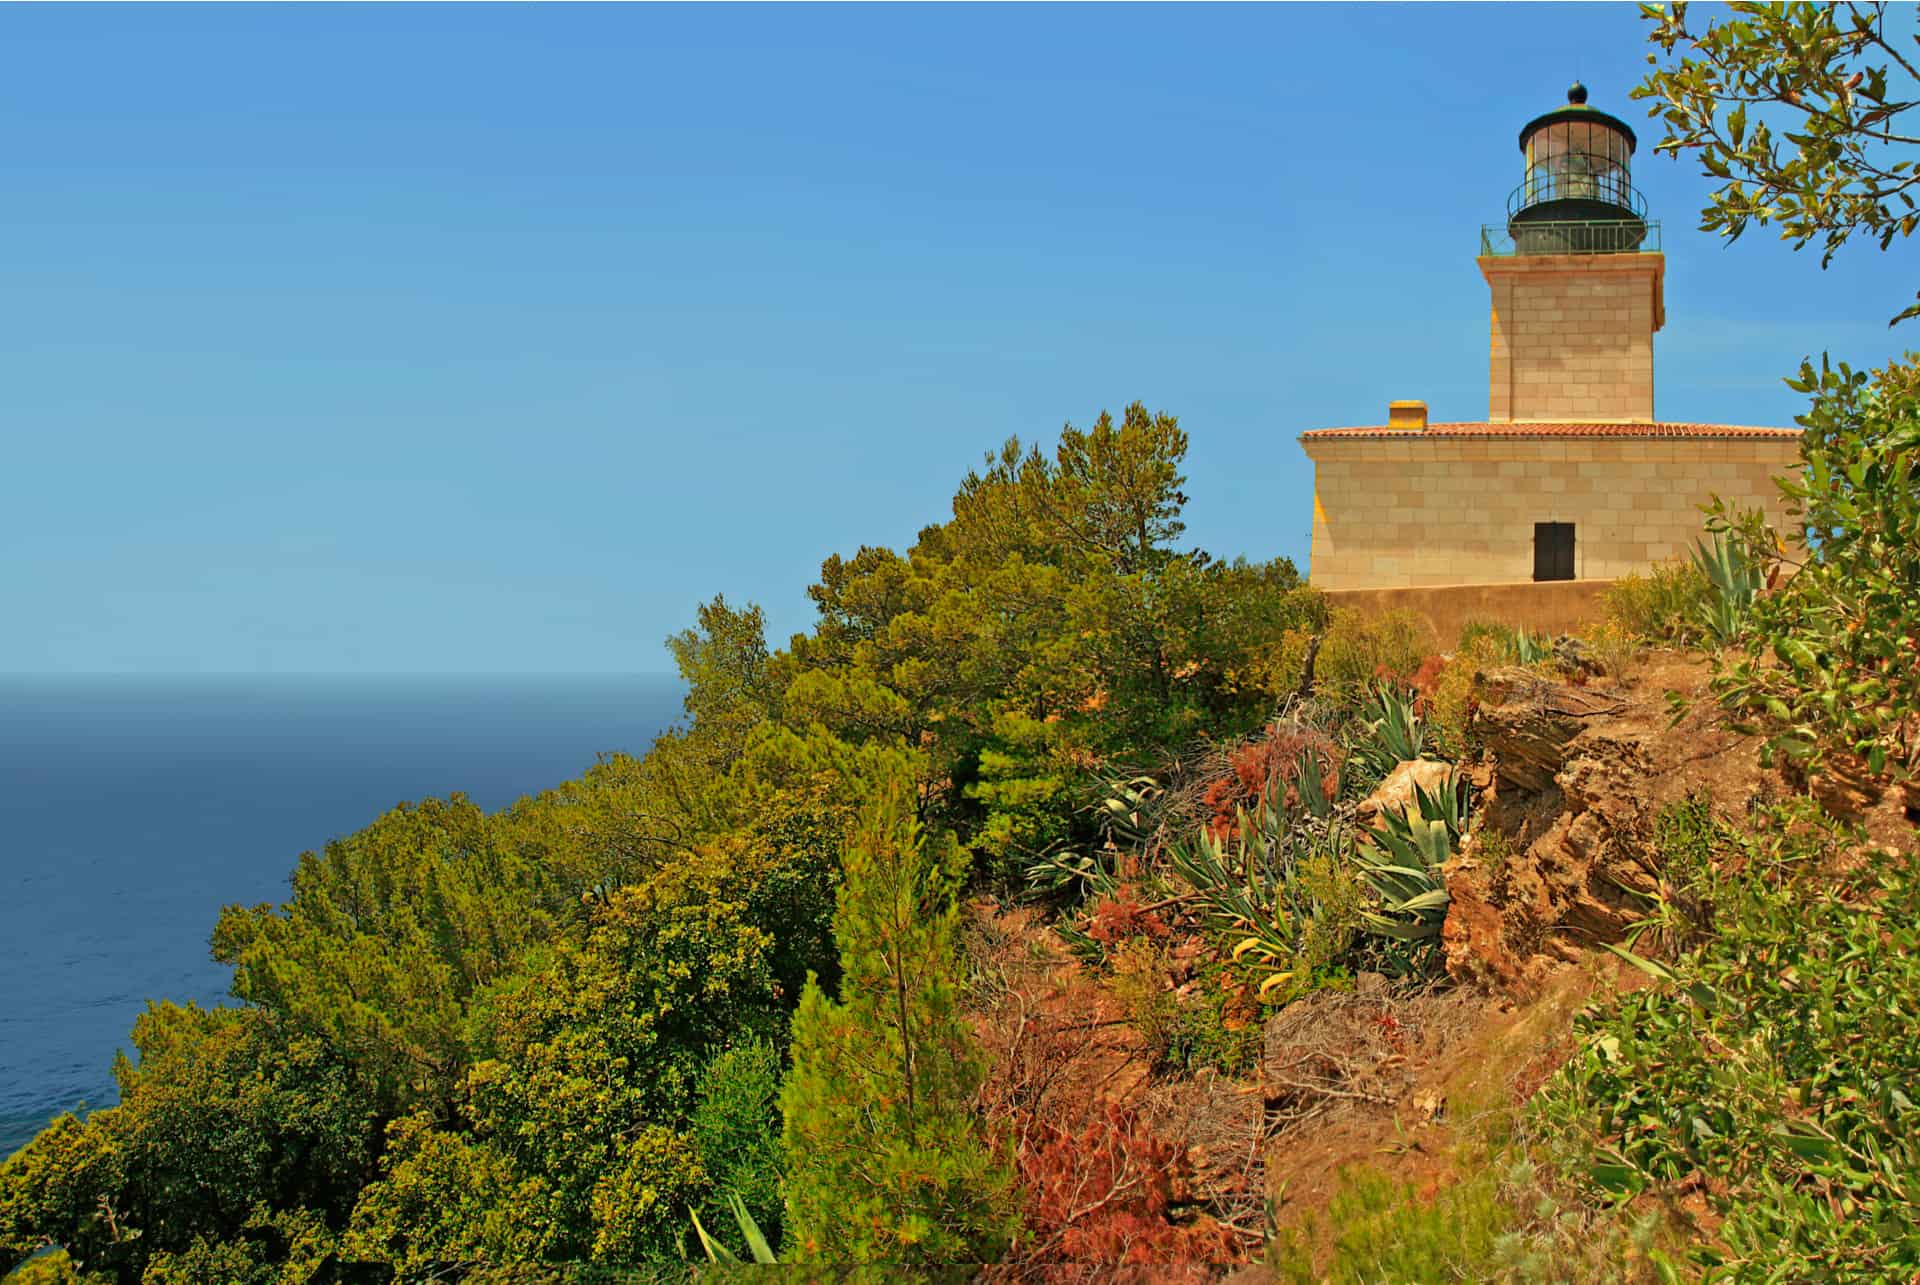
[[1553, 551]]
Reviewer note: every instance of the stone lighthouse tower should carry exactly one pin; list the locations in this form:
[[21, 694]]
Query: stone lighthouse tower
[[1570, 481], [1577, 293]]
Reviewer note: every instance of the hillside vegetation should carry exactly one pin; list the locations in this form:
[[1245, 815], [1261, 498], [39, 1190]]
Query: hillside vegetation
[[1064, 896]]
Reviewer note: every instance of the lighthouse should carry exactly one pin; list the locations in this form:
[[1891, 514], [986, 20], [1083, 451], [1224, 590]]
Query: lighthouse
[[1576, 276], [1570, 481]]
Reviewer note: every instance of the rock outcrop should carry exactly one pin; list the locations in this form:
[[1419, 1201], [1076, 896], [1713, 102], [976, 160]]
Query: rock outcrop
[[1576, 773], [1559, 858]]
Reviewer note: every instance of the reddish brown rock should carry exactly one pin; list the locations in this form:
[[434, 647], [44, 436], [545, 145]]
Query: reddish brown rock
[[1562, 854], [1558, 858]]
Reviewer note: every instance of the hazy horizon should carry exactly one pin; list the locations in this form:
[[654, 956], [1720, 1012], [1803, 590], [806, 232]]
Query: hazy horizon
[[495, 339]]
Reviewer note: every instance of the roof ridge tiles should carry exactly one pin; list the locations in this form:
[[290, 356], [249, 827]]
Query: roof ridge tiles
[[1559, 428]]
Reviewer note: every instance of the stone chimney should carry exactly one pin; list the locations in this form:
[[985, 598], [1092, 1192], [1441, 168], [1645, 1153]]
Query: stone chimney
[[1408, 416]]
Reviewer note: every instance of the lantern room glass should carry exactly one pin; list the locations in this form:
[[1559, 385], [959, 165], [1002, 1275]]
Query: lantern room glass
[[1578, 160]]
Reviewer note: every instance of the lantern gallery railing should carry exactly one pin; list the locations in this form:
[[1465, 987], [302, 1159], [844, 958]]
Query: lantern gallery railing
[[1576, 176], [1615, 236]]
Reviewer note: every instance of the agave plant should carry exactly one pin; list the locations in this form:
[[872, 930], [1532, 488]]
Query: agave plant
[[1735, 578], [1057, 873], [1128, 807], [718, 1252], [1528, 649], [1402, 862], [1447, 804], [1126, 814], [1311, 777], [1245, 884], [1395, 732], [1405, 875]]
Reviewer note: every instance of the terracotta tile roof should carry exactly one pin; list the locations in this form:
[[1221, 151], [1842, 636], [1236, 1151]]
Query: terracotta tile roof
[[1546, 429]]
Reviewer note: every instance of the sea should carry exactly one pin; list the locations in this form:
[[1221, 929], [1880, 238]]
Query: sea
[[133, 808]]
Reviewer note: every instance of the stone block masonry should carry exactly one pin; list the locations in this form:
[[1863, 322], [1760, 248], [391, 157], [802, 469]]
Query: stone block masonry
[[1457, 509], [1572, 336]]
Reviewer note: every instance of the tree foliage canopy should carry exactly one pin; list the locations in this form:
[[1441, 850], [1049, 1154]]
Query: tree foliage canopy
[[1797, 110], [547, 1034], [886, 1160], [1833, 655]]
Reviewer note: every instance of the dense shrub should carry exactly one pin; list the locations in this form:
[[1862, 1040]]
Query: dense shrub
[[736, 1130], [1450, 709], [1662, 604], [1479, 627], [1360, 648], [1612, 645], [1493, 1225], [446, 1198], [227, 1119], [1830, 657], [1771, 1068]]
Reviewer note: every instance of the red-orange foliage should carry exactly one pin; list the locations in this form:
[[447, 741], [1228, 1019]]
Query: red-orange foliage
[[1105, 1193], [1119, 915], [1426, 681], [1270, 763], [1066, 1073]]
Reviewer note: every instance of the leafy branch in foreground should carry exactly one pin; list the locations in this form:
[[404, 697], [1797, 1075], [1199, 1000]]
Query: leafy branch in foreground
[[1830, 82], [1832, 658]]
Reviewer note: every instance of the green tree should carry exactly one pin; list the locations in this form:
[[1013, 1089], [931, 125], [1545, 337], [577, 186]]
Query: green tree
[[230, 1124], [1830, 657], [730, 688], [886, 1158], [389, 934], [1049, 631], [601, 1051], [1796, 109]]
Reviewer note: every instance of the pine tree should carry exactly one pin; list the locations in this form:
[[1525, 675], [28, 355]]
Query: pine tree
[[887, 1161]]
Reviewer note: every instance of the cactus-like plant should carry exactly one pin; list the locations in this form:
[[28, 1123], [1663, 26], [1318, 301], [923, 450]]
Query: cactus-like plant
[[1402, 864], [1735, 577], [718, 1252]]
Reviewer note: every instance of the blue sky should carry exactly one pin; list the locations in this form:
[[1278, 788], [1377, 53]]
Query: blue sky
[[495, 339]]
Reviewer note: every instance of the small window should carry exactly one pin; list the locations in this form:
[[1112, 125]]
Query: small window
[[1553, 551]]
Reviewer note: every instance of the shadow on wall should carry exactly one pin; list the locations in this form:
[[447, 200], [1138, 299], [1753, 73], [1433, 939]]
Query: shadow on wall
[[1541, 607]]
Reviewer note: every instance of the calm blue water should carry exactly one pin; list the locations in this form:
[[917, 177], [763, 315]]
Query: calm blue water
[[132, 809]]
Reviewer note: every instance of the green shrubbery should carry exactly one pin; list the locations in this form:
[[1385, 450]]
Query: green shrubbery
[[1450, 708], [736, 1131], [1662, 604], [1831, 659], [1773, 1065], [1359, 649], [1496, 1224], [886, 1160], [231, 1117]]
